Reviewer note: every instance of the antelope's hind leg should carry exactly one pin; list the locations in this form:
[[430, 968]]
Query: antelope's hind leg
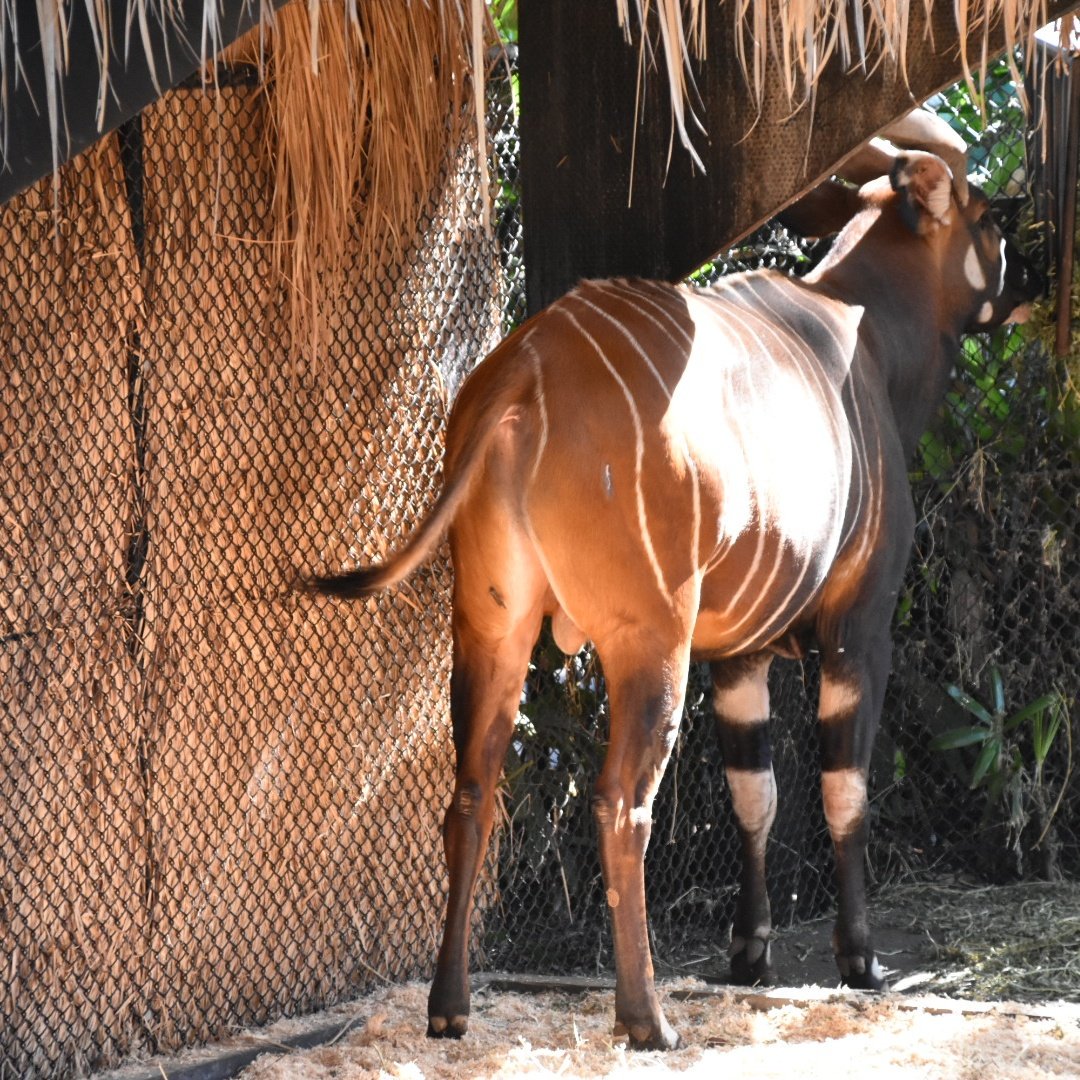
[[741, 704], [646, 688], [498, 594], [852, 692]]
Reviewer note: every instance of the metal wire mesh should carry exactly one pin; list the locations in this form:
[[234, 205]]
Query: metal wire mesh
[[992, 589], [221, 799], [992, 602]]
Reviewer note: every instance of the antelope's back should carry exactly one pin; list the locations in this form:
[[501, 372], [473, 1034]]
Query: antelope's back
[[688, 434]]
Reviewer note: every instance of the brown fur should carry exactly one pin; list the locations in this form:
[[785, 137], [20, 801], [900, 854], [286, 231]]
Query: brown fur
[[719, 475]]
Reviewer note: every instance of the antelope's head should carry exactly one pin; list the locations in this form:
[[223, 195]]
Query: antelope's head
[[984, 278]]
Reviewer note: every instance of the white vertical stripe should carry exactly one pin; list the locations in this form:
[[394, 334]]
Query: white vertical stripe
[[858, 465], [634, 343], [753, 323], [541, 404], [639, 453], [750, 574], [654, 312], [785, 614], [633, 299], [646, 294]]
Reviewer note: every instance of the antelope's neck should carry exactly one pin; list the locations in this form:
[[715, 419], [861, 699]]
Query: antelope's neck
[[905, 336]]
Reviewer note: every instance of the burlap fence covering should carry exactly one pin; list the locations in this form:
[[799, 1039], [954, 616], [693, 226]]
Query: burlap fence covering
[[221, 798]]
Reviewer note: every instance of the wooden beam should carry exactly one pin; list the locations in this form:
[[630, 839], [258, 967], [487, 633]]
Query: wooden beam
[[595, 207], [27, 152]]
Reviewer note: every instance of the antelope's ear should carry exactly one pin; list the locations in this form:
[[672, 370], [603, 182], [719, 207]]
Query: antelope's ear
[[822, 211], [926, 184]]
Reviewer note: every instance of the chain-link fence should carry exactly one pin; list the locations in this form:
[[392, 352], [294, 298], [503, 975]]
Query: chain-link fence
[[221, 799], [991, 601]]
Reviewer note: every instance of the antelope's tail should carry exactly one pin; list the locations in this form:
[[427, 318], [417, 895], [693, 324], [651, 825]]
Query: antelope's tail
[[462, 465]]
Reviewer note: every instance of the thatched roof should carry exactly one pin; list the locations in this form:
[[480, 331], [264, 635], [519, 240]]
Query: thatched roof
[[797, 37], [367, 97], [800, 37]]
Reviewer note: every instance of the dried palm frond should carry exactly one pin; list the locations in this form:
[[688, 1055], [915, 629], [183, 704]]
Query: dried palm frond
[[365, 107], [366, 100], [364, 104], [798, 38]]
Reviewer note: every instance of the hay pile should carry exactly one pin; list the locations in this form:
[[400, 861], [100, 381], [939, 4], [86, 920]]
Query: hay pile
[[528, 1025], [560, 1035], [1005, 942]]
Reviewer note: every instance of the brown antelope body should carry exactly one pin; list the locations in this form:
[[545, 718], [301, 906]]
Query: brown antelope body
[[717, 474]]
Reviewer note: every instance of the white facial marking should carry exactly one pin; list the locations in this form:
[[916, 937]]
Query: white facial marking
[[844, 794], [986, 312], [973, 270]]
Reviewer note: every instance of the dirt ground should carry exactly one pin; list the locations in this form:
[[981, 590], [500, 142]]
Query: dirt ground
[[984, 987]]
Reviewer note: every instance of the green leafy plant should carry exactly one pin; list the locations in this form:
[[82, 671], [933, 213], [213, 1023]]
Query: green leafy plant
[[1014, 782], [504, 14]]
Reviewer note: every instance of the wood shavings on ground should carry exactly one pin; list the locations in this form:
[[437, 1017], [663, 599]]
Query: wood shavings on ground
[[570, 1035], [1019, 942]]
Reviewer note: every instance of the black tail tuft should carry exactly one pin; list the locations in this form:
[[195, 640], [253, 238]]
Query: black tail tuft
[[351, 586]]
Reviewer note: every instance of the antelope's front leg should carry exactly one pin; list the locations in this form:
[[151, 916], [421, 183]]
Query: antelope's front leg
[[741, 704], [852, 691], [646, 706]]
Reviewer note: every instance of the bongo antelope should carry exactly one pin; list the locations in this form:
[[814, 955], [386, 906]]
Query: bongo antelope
[[715, 474]]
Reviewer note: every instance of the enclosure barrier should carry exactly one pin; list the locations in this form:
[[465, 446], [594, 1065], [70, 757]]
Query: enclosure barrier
[[221, 799], [989, 614]]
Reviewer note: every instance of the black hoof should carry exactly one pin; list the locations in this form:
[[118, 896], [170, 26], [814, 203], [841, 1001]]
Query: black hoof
[[751, 964], [865, 982], [441, 1028], [858, 973]]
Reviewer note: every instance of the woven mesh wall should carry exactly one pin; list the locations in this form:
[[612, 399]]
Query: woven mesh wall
[[221, 799], [70, 784]]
